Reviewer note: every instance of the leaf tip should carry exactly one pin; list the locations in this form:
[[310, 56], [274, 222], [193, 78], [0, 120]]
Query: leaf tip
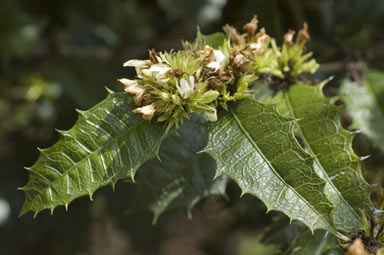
[[217, 175], [364, 158], [113, 185], [66, 207], [23, 211], [355, 132], [61, 132], [22, 188], [202, 151], [324, 82], [80, 112], [157, 156], [111, 92]]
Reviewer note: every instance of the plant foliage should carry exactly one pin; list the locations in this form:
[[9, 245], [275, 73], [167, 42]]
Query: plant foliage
[[365, 106], [107, 143], [294, 155]]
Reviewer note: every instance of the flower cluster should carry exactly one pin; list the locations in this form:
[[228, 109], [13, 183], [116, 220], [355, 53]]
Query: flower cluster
[[172, 85]]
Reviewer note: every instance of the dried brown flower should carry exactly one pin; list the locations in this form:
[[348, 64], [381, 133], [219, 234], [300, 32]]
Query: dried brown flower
[[303, 34], [251, 27], [236, 38], [288, 37]]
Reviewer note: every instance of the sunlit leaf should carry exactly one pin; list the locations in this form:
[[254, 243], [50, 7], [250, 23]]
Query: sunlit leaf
[[107, 143], [322, 134], [255, 146]]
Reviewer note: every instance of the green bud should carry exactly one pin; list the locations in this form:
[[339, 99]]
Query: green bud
[[240, 95], [163, 117], [176, 99], [209, 96], [243, 83], [165, 96]]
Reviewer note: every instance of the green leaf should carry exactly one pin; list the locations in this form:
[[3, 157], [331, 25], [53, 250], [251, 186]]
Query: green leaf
[[182, 177], [319, 243], [322, 134], [214, 40], [107, 143], [365, 105], [255, 146]]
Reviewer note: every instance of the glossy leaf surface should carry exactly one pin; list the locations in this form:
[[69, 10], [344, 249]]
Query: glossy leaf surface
[[107, 143], [255, 146], [322, 134]]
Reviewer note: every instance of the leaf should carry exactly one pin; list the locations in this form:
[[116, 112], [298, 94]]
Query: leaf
[[255, 146], [322, 134], [214, 40], [319, 243], [107, 143], [365, 105], [182, 177]]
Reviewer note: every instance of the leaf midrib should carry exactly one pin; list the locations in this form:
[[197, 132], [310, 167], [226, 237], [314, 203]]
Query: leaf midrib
[[308, 147], [239, 123], [110, 141]]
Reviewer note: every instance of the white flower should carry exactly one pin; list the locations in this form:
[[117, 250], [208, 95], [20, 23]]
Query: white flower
[[211, 115], [219, 62], [186, 89], [127, 82], [134, 88], [158, 72], [146, 111], [139, 65]]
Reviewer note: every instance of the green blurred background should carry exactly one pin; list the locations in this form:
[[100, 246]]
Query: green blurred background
[[58, 55]]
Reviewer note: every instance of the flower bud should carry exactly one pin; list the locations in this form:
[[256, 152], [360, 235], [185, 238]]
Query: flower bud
[[176, 99], [211, 115], [139, 65], [209, 96], [165, 96], [146, 111], [303, 35], [288, 37]]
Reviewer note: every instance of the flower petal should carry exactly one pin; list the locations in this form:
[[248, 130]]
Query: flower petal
[[211, 115], [146, 111]]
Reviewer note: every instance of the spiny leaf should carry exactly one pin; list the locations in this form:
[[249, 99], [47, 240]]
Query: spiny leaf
[[365, 105], [255, 146], [319, 243], [320, 130], [182, 177], [107, 143]]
